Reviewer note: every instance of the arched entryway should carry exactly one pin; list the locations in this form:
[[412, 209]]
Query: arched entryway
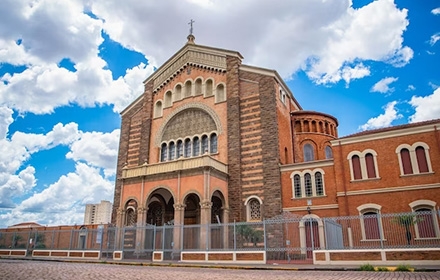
[[131, 208], [191, 232], [159, 231], [311, 232], [192, 210], [217, 231], [160, 208], [130, 222]]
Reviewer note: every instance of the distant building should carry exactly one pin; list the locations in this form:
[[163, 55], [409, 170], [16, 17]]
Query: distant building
[[98, 213], [26, 225]]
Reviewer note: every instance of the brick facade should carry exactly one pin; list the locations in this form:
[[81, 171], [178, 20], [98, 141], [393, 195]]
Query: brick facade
[[212, 133]]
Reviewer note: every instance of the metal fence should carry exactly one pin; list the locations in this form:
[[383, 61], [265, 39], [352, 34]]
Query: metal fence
[[283, 238]]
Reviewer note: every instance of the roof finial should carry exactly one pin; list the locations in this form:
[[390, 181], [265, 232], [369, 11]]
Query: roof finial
[[191, 28], [191, 37]]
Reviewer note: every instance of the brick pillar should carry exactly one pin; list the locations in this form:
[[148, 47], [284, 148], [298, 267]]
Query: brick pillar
[[233, 117]]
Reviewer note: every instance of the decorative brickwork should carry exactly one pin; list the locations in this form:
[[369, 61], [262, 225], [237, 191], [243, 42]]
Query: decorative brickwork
[[188, 123], [234, 139]]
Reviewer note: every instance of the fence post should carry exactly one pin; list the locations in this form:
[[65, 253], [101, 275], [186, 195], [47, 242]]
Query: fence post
[[324, 220], [207, 236], [380, 231], [53, 240], [264, 235], [235, 238], [71, 237], [163, 237], [154, 238]]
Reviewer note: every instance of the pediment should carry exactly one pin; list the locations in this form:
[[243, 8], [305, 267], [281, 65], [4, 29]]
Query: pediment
[[190, 55]]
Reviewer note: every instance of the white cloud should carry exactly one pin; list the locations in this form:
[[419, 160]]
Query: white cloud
[[383, 120], [327, 38], [97, 149], [383, 86], [427, 107], [411, 88], [434, 39], [5, 120], [64, 201], [436, 11], [15, 180]]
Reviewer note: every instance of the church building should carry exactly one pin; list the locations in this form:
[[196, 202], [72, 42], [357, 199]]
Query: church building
[[213, 140]]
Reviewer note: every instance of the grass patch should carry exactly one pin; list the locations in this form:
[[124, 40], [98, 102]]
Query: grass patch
[[404, 267], [367, 267]]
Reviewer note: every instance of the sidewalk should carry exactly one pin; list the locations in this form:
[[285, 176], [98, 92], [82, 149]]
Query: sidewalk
[[275, 266]]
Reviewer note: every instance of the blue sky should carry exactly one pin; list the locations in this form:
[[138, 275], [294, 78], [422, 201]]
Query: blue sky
[[67, 68]]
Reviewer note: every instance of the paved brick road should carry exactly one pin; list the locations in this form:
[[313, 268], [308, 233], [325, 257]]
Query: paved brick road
[[22, 269]]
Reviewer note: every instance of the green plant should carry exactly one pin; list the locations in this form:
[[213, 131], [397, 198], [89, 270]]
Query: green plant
[[247, 234], [367, 267], [407, 221], [404, 267]]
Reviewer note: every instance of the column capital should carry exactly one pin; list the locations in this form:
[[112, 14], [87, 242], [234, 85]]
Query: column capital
[[179, 206], [205, 204]]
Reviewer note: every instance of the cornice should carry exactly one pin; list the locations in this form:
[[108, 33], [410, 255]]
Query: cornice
[[315, 207], [398, 132], [388, 190], [306, 165]]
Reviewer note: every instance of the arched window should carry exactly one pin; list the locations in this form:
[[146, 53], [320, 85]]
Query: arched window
[[425, 223], [178, 93], [414, 159], [308, 152], [308, 184], [187, 148], [318, 184], [406, 161], [196, 146], [426, 220], [172, 149], [220, 93], [205, 144], [421, 160], [198, 87], [356, 164], [158, 109], [213, 144], [163, 152], [188, 88], [168, 99], [208, 88], [369, 161], [179, 148], [130, 217], [297, 186], [253, 210], [371, 225], [328, 152]]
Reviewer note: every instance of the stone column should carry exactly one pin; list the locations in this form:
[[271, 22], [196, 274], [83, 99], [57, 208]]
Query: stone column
[[225, 228], [140, 229], [179, 212], [205, 220], [119, 225]]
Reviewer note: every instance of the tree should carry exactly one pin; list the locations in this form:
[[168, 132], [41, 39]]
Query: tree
[[406, 221], [247, 234]]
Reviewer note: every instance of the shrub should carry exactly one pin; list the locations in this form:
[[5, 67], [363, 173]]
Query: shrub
[[367, 267], [404, 267]]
